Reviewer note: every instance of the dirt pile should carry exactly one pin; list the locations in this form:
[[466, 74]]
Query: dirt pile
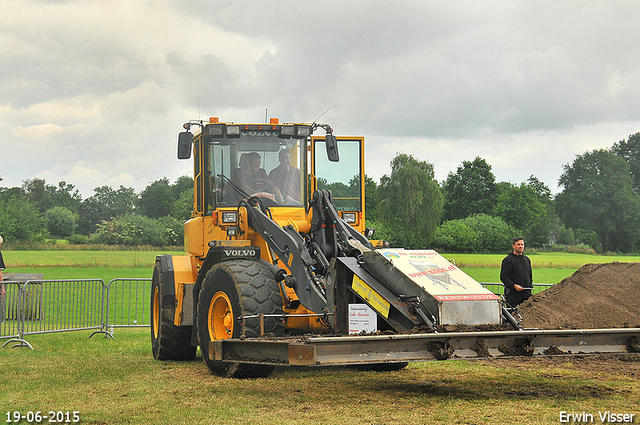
[[595, 296]]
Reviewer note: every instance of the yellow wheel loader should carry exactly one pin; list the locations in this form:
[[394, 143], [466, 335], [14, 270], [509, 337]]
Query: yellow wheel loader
[[279, 268]]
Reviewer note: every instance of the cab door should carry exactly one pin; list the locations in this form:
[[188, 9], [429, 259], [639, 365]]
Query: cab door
[[345, 178]]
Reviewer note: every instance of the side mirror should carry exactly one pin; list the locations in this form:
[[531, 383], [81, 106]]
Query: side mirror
[[332, 148], [369, 232], [185, 143]]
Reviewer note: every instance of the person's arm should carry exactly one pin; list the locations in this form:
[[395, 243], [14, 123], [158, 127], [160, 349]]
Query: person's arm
[[505, 273], [278, 195]]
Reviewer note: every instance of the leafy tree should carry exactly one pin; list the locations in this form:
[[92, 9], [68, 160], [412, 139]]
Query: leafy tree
[[181, 185], [45, 196], [589, 238], [183, 207], [19, 219], [60, 221], [559, 233], [542, 190], [156, 199], [345, 197], [471, 190], [457, 236], [598, 195], [384, 232], [476, 233], [494, 234], [104, 205], [370, 204], [565, 236], [136, 230], [630, 151], [410, 201], [521, 207], [502, 187]]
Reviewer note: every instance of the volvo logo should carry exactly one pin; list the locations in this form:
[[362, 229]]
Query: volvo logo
[[240, 253]]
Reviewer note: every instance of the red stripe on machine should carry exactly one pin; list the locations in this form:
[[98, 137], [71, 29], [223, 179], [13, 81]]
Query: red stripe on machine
[[465, 297]]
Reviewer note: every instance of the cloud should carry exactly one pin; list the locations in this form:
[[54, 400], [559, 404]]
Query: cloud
[[98, 90]]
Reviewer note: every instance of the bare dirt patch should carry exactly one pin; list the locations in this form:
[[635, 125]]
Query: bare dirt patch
[[595, 296]]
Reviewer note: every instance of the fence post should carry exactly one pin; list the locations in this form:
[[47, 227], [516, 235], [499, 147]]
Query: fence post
[[104, 313], [21, 303]]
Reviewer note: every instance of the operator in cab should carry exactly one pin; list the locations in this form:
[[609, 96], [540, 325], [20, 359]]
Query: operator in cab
[[286, 177], [254, 180]]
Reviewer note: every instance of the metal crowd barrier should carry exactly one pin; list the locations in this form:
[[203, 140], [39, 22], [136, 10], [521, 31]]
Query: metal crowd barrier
[[46, 306], [128, 303], [498, 288]]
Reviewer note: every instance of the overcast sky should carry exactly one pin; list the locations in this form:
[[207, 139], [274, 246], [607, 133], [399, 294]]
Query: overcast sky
[[95, 92]]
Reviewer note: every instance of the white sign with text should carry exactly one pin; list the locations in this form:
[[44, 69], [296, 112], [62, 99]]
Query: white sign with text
[[362, 319]]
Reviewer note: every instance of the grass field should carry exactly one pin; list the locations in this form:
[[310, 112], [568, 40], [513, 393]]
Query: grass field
[[548, 267], [118, 382], [105, 265]]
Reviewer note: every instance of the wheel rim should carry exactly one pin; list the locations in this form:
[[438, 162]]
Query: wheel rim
[[156, 311], [220, 317]]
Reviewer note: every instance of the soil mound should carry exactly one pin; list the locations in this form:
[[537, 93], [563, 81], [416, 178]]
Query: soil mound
[[595, 296]]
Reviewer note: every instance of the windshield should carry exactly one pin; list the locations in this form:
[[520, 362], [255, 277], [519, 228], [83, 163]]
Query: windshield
[[257, 163]]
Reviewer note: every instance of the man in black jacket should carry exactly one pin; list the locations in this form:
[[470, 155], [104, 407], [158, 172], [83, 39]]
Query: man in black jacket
[[516, 275]]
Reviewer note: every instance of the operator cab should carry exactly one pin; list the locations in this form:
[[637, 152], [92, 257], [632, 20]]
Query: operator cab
[[235, 161]]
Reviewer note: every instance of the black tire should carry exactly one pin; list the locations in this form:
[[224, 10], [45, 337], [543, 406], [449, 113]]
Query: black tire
[[231, 289], [168, 341]]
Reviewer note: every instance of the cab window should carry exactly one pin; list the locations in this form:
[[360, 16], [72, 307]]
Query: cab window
[[343, 177]]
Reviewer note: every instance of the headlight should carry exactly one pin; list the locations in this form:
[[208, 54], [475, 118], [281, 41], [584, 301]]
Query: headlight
[[303, 130], [233, 131], [286, 130], [229, 217], [215, 130], [349, 217]]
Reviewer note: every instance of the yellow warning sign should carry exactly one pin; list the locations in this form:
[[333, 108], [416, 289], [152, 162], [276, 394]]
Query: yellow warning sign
[[374, 299]]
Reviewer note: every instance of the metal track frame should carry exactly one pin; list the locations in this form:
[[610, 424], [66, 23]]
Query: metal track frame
[[369, 349]]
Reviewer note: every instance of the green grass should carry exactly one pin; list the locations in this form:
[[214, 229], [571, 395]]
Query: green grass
[[540, 260], [545, 275], [84, 259], [548, 267], [118, 382]]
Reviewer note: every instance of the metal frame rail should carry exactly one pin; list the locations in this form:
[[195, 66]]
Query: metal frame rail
[[498, 287], [344, 350]]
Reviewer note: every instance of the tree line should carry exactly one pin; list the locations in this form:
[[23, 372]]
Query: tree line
[[38, 211], [598, 208]]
